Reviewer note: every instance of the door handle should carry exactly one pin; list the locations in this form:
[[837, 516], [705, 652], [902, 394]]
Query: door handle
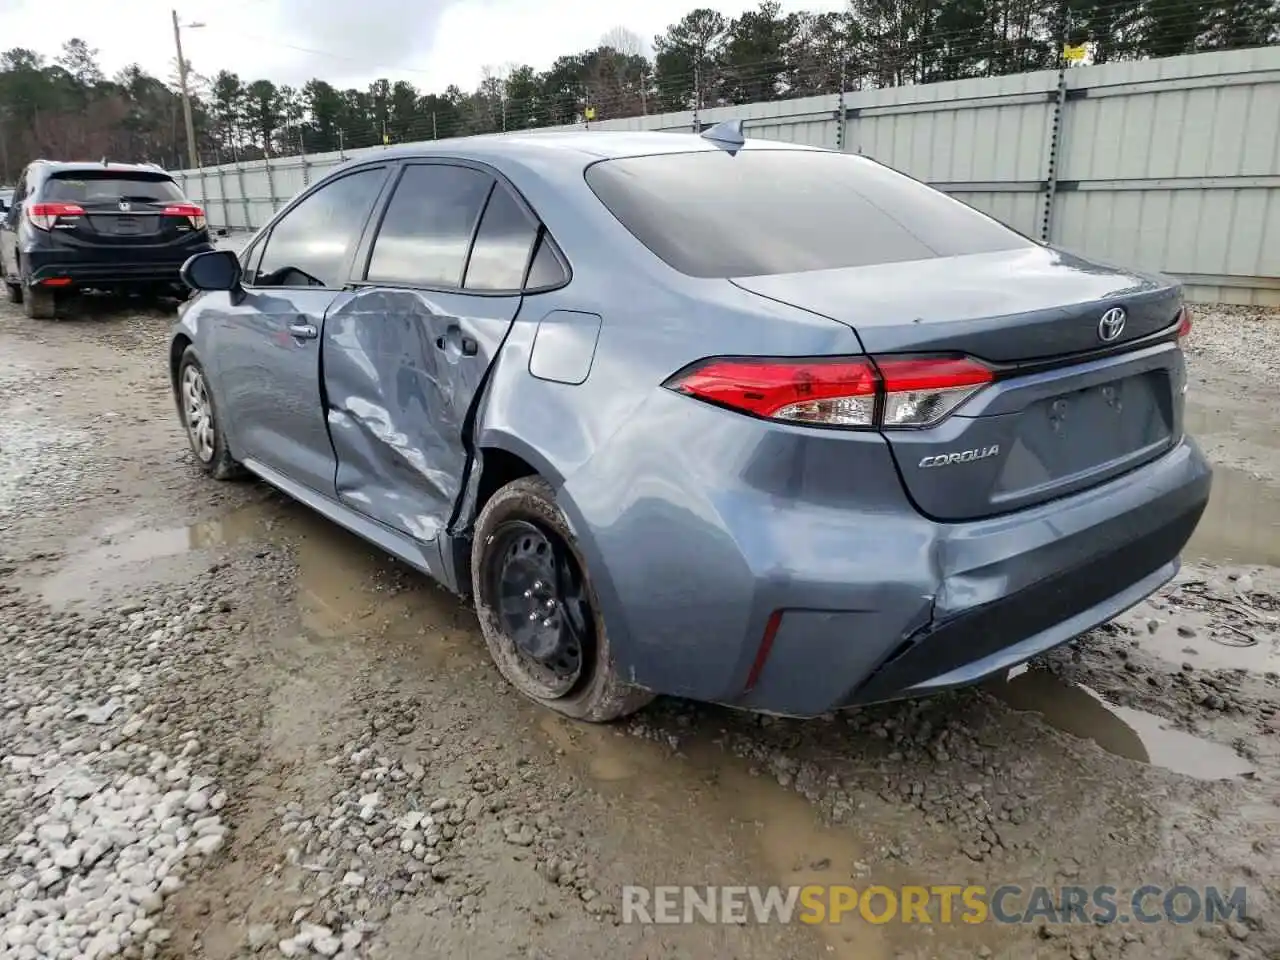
[[454, 339], [303, 331]]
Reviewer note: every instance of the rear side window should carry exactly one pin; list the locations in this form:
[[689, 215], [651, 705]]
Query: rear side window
[[428, 226], [89, 187], [547, 270], [503, 244], [312, 244], [762, 212]]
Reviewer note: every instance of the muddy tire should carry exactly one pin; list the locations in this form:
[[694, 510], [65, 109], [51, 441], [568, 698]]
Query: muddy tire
[[566, 664], [13, 291], [201, 422], [39, 304]]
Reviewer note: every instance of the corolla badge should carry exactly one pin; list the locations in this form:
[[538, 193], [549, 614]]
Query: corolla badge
[[961, 456]]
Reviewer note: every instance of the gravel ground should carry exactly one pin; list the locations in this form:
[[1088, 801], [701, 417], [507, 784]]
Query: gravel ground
[[229, 729]]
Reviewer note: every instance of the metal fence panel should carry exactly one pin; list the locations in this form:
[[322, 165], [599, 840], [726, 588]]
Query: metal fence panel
[[1169, 164]]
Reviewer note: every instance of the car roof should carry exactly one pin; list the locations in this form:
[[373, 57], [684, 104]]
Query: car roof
[[578, 148]]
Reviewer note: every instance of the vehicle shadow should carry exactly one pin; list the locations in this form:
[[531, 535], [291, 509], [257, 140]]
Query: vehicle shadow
[[106, 307]]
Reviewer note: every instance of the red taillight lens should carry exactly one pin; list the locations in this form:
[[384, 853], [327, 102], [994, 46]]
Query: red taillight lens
[[837, 391], [1184, 322], [44, 215], [188, 210], [921, 391], [901, 392]]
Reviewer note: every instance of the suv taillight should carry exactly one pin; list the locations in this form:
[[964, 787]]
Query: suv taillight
[[44, 215], [188, 210], [892, 392]]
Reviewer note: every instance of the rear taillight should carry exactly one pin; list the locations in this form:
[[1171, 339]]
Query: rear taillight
[[921, 391], [837, 392], [1184, 321], [890, 392], [188, 210], [44, 215]]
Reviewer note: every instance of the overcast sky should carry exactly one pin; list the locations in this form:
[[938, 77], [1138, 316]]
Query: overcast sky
[[431, 43]]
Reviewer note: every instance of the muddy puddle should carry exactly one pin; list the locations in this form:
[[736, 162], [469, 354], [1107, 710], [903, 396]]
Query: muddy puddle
[[722, 803], [1123, 731], [771, 828], [1241, 523], [345, 587]]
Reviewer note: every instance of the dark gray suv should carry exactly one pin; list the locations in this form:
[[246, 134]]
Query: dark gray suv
[[106, 226]]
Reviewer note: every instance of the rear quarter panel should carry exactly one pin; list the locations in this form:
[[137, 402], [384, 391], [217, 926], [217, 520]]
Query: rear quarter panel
[[605, 444]]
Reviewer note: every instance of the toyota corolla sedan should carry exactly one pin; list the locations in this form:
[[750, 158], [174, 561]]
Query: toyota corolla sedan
[[735, 420]]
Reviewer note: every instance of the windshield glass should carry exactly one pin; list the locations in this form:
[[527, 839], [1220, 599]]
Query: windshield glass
[[762, 212], [88, 187]]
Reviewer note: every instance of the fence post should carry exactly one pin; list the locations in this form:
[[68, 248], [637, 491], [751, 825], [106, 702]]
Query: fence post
[[697, 98], [842, 120], [204, 195], [1055, 150], [271, 184], [244, 195], [222, 190], [302, 152]]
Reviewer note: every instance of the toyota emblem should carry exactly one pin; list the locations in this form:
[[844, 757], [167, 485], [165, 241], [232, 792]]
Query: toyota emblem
[[1111, 325]]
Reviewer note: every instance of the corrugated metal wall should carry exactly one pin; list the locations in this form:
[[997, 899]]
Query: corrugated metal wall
[[1170, 164]]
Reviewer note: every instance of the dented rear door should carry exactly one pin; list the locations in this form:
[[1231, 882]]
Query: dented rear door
[[406, 352]]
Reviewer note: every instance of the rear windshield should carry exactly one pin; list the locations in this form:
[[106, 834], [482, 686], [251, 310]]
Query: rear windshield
[[762, 212], [90, 187]]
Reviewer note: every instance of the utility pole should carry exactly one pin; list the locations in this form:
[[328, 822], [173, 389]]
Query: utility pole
[[192, 157]]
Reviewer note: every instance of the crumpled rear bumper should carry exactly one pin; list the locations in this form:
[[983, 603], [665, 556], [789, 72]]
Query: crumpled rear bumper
[[745, 575], [1010, 588]]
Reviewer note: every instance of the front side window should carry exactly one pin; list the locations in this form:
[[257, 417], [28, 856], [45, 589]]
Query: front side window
[[428, 226], [312, 244]]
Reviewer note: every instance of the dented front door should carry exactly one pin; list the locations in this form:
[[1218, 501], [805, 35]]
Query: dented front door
[[401, 369]]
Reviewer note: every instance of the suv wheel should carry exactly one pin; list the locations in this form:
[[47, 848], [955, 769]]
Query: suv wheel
[[14, 290], [38, 304]]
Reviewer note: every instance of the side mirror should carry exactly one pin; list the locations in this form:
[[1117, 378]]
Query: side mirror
[[212, 270]]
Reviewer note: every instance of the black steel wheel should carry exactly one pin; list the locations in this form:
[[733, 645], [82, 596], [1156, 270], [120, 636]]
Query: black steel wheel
[[538, 610], [540, 604]]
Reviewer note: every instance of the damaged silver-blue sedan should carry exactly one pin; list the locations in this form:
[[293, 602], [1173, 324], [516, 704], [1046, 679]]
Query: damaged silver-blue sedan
[[736, 420]]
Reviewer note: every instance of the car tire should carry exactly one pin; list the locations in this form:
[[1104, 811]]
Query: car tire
[[201, 422], [39, 304], [506, 550], [14, 290]]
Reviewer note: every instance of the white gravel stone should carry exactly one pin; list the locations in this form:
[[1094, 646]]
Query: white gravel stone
[[99, 824]]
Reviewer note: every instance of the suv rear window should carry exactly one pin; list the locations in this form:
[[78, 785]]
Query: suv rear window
[[87, 186], [763, 212]]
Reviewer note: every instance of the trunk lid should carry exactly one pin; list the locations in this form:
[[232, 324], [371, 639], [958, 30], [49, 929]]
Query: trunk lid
[[123, 221], [119, 208], [1069, 409]]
